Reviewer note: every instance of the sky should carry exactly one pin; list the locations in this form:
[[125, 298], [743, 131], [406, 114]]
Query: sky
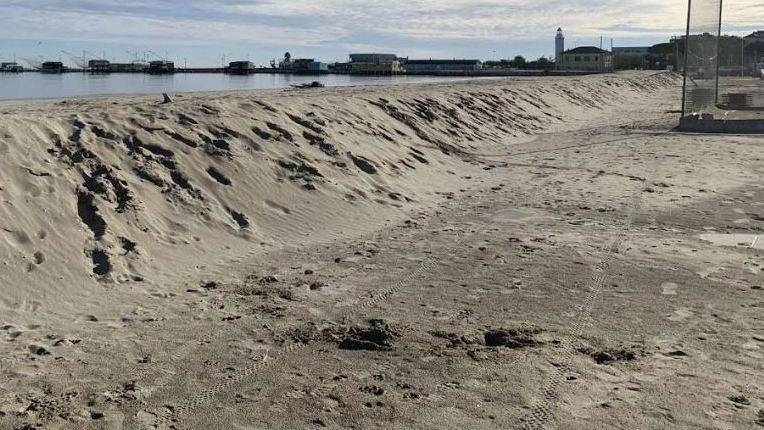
[[204, 33]]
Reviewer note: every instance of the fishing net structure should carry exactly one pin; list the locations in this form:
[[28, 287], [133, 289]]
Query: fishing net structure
[[723, 77]]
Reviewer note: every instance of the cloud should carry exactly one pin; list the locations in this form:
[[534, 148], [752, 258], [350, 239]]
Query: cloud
[[333, 25]]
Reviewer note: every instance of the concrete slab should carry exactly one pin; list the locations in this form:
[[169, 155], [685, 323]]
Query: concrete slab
[[735, 240]]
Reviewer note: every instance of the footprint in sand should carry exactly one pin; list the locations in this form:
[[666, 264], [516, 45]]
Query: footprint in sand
[[670, 289], [705, 273], [681, 314]]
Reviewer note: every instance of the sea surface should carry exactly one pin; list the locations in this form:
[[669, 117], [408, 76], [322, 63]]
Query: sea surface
[[68, 85]]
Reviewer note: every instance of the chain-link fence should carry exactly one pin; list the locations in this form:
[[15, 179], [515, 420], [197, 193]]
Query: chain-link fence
[[702, 57]]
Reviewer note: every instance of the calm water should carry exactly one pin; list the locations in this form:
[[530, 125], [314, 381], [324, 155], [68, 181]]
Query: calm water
[[38, 85]]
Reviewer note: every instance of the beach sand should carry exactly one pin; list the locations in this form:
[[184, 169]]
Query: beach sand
[[518, 253]]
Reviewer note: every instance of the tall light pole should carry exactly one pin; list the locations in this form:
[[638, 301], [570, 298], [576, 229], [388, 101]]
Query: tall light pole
[[742, 57], [718, 50], [686, 56]]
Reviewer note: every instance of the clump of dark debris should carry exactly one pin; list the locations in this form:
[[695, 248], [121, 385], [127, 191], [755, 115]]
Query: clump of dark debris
[[377, 337], [313, 286], [740, 400], [513, 338], [609, 356]]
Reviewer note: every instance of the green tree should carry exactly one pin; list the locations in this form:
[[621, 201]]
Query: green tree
[[545, 63]]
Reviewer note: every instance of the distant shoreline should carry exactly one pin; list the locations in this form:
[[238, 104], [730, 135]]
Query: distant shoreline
[[218, 70], [400, 80]]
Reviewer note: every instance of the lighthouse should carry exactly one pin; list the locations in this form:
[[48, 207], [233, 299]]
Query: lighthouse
[[559, 47]]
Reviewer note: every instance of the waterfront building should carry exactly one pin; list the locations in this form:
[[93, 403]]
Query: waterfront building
[[756, 36], [241, 68], [375, 64], [340, 68], [136, 67], [631, 57], [587, 58], [99, 66], [161, 67], [304, 66], [52, 67], [633, 51], [11, 68], [442, 66]]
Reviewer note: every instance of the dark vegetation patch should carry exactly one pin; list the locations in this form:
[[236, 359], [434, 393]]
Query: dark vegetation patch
[[134, 143], [218, 176], [149, 176], [320, 141], [281, 131], [609, 356], [88, 213], [101, 263], [364, 164], [512, 338], [407, 164], [219, 133], [740, 400], [377, 337], [229, 132], [262, 133], [216, 146], [265, 106], [328, 149], [209, 110], [419, 158], [102, 179], [300, 169], [38, 350], [404, 118], [70, 153], [239, 218], [186, 120], [306, 123], [221, 144], [313, 139], [181, 180], [98, 131], [416, 151], [128, 245], [182, 139]]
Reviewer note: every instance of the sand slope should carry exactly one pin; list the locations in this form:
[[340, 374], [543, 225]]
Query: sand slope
[[530, 253]]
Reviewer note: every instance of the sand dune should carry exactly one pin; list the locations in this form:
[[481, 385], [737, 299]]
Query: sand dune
[[128, 191], [520, 253]]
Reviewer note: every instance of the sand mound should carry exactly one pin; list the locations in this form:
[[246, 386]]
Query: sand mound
[[131, 192]]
